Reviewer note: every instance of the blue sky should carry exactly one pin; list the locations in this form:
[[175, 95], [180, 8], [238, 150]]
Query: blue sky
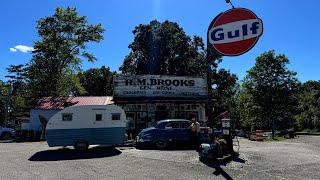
[[290, 27]]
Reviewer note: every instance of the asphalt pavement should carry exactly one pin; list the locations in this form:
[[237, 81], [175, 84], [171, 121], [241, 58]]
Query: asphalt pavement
[[289, 159]]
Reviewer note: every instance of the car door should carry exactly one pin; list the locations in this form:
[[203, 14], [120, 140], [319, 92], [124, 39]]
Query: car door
[[172, 132], [185, 132]]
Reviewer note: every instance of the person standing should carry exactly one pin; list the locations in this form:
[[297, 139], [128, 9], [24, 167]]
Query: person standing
[[195, 129]]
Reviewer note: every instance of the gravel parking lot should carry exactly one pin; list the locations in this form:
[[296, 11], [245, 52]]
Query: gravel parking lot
[[290, 159]]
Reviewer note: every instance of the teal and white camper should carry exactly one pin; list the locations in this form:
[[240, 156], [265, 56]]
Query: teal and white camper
[[81, 126]]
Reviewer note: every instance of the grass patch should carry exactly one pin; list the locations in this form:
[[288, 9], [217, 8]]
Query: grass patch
[[312, 131], [276, 138]]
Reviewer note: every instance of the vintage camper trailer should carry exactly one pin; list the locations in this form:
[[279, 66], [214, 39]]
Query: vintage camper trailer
[[81, 126]]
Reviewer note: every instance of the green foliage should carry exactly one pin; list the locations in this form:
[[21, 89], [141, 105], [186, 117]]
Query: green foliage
[[164, 49], [225, 92], [268, 93], [309, 105], [58, 54], [19, 97], [97, 81], [3, 101]]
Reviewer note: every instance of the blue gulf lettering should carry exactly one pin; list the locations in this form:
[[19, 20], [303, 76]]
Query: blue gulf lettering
[[254, 27], [236, 34], [216, 36], [244, 29]]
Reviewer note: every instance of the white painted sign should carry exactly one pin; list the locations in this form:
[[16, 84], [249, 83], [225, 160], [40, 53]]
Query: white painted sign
[[139, 86], [225, 123], [225, 131]]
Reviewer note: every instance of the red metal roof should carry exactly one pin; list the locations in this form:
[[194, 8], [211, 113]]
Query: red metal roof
[[62, 102]]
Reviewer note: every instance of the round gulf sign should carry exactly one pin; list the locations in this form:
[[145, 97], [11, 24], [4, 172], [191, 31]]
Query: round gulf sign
[[235, 31]]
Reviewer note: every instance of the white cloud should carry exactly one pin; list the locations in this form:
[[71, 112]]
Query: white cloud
[[13, 50], [22, 48]]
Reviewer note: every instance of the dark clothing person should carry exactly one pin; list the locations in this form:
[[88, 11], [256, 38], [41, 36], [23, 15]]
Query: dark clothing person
[[195, 129]]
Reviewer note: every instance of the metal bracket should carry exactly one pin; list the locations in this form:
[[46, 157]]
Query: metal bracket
[[229, 2]]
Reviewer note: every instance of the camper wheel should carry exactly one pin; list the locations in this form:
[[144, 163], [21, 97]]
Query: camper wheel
[[81, 145]]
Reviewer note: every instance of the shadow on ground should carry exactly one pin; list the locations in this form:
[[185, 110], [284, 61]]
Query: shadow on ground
[[170, 147], [71, 154], [218, 164]]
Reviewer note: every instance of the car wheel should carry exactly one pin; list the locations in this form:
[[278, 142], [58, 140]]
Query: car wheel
[[81, 145], [161, 144], [5, 136]]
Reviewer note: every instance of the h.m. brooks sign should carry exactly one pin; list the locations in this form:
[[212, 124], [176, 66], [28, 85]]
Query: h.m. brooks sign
[[157, 86]]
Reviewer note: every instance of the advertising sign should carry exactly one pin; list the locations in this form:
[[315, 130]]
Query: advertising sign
[[158, 86], [235, 32]]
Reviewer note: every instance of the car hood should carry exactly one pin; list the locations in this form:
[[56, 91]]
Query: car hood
[[148, 130]]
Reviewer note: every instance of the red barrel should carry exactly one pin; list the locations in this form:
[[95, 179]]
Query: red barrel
[[259, 135]]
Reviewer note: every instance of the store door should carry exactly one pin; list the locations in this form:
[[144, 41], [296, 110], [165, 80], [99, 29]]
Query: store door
[[161, 115]]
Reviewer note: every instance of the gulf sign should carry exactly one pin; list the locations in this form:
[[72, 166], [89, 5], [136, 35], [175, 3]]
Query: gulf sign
[[235, 32]]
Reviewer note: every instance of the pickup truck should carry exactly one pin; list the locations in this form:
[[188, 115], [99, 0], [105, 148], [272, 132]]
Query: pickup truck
[[7, 133]]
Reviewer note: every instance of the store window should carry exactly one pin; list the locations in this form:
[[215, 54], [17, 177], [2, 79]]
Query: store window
[[161, 115], [192, 115], [180, 115]]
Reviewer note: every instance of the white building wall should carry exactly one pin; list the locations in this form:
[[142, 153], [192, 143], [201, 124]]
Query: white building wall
[[35, 124]]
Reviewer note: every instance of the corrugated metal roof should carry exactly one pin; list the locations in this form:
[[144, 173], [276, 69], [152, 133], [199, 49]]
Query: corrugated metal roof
[[62, 102]]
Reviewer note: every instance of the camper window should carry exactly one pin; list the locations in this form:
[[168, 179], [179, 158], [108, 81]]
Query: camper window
[[115, 117], [67, 117], [98, 117]]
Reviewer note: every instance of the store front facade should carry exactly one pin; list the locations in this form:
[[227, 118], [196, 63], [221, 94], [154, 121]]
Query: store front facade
[[147, 99]]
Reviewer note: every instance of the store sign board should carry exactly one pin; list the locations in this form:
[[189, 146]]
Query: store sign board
[[149, 86]]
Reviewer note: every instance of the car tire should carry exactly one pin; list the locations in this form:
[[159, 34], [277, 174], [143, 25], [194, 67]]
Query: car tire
[[81, 145], [161, 144], [6, 136]]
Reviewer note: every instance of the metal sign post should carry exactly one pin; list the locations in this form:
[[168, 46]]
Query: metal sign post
[[231, 33]]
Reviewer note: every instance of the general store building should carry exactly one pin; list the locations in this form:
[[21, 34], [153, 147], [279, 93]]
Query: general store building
[[147, 99]]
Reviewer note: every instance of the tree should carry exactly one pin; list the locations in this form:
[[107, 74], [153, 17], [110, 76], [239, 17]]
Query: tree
[[224, 92], [58, 54], [19, 97], [308, 96], [269, 89], [164, 49], [3, 101], [97, 81]]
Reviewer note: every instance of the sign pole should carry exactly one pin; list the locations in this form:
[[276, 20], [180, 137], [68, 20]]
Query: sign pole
[[231, 33], [209, 84]]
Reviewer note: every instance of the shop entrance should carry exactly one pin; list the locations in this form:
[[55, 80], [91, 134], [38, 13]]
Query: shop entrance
[[136, 122], [161, 115]]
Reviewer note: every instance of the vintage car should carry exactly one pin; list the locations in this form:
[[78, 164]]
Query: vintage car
[[165, 133]]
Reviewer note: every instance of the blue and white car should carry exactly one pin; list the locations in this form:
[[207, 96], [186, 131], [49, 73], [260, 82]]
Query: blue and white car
[[7, 133]]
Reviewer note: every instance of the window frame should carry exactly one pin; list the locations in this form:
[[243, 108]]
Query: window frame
[[184, 123], [101, 116], [115, 114], [169, 125], [67, 114]]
